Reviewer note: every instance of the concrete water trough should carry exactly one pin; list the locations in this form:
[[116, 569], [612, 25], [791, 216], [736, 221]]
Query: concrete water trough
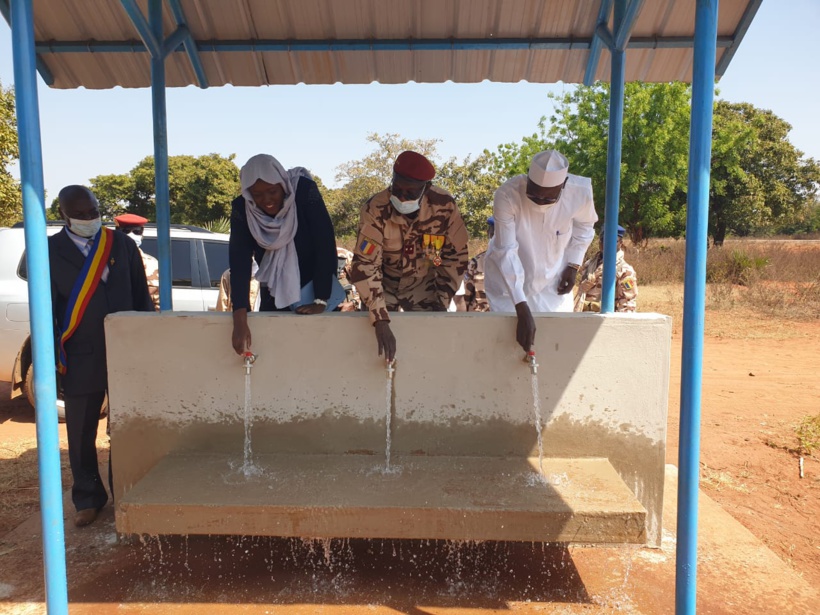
[[464, 453]]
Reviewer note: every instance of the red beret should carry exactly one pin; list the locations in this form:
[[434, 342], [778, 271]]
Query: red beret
[[130, 220], [414, 166]]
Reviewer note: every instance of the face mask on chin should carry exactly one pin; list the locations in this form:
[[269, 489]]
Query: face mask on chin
[[405, 207], [85, 228]]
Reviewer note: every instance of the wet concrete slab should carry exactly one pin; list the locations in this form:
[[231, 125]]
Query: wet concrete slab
[[737, 574], [356, 496]]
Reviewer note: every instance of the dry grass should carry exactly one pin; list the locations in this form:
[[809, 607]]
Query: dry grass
[[773, 278], [19, 477], [19, 484], [719, 480]]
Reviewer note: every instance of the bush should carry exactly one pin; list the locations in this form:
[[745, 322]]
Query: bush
[[738, 268]]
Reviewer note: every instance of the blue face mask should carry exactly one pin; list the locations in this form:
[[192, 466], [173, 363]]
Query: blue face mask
[[84, 228], [405, 207]]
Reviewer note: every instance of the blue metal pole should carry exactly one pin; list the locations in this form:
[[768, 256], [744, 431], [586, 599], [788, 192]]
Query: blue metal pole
[[697, 218], [162, 197], [613, 166], [39, 301]]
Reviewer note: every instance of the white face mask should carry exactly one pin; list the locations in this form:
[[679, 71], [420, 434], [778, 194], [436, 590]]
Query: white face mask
[[405, 207], [84, 228], [137, 239]]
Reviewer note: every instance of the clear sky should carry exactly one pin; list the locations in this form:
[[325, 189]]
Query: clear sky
[[88, 133]]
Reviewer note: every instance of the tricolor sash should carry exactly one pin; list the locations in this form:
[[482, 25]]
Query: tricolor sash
[[84, 288]]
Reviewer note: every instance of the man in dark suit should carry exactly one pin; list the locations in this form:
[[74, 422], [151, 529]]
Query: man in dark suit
[[111, 280]]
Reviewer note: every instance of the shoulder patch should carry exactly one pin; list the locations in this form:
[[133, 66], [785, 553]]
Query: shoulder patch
[[628, 284], [367, 246]]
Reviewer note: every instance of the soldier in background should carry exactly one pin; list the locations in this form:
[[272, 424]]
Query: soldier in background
[[474, 299], [411, 251], [352, 302], [588, 298], [133, 226], [223, 300]]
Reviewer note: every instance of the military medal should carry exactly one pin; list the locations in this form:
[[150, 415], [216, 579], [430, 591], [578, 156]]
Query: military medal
[[438, 244], [427, 246]]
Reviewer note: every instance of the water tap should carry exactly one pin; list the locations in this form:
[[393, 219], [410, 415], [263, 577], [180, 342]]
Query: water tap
[[249, 358], [530, 358], [391, 368]]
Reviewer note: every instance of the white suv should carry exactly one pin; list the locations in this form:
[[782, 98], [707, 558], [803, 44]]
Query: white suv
[[198, 258]]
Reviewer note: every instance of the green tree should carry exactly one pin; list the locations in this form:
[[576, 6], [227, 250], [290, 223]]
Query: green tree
[[200, 188], [11, 202], [363, 178], [472, 183], [653, 156], [112, 192], [760, 181]]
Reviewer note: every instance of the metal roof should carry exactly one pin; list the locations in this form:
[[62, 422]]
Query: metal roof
[[95, 44]]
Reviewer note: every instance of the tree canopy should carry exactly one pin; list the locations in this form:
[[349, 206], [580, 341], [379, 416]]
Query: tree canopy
[[11, 203], [201, 189], [760, 181]]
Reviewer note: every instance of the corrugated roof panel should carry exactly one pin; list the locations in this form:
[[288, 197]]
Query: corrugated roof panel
[[368, 20]]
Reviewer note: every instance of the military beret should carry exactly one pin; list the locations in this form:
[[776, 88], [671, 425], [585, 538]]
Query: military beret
[[491, 221], [621, 231], [413, 165], [130, 220]]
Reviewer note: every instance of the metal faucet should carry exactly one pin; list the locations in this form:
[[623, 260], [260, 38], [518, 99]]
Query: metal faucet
[[249, 358], [530, 358], [391, 368]]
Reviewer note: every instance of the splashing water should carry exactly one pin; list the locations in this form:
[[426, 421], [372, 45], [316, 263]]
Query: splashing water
[[248, 467], [536, 406], [388, 407]]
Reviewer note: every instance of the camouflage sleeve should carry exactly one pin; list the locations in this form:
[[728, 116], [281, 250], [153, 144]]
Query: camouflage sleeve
[[469, 285], [366, 268], [454, 256], [626, 290], [223, 300], [151, 277], [590, 275]]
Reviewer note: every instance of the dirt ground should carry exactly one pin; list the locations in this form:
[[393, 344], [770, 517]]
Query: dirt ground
[[760, 379]]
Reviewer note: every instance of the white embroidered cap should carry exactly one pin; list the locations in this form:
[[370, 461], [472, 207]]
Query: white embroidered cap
[[549, 168]]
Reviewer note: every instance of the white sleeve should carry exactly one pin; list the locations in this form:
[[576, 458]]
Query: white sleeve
[[505, 243], [582, 231]]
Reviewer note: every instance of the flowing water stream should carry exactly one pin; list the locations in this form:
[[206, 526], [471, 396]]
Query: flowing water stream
[[388, 409], [536, 406]]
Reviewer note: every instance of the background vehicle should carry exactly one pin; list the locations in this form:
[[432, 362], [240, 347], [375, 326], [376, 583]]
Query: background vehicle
[[198, 258]]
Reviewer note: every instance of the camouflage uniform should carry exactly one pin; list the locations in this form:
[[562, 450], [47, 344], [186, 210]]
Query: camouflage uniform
[[391, 266], [223, 301], [152, 276], [474, 296], [352, 295], [591, 275]]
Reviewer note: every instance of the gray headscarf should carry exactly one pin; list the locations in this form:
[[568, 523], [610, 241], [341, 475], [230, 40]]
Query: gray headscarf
[[279, 269]]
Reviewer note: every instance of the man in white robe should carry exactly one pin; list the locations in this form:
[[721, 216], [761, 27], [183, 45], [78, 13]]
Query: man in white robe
[[543, 227]]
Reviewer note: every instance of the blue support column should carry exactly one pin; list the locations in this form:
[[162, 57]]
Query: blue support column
[[613, 165], [697, 219], [162, 197], [597, 44], [39, 300]]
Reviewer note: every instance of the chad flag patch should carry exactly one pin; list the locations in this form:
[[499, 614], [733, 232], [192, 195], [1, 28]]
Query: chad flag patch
[[367, 246], [628, 284]]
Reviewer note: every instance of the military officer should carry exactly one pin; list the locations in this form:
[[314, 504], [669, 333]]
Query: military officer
[[133, 226], [591, 275], [474, 298], [411, 250]]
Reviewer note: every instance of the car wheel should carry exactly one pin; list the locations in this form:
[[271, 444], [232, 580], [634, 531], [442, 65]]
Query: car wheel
[[28, 389]]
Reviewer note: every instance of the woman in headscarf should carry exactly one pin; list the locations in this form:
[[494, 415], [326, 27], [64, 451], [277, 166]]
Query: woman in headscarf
[[280, 221]]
